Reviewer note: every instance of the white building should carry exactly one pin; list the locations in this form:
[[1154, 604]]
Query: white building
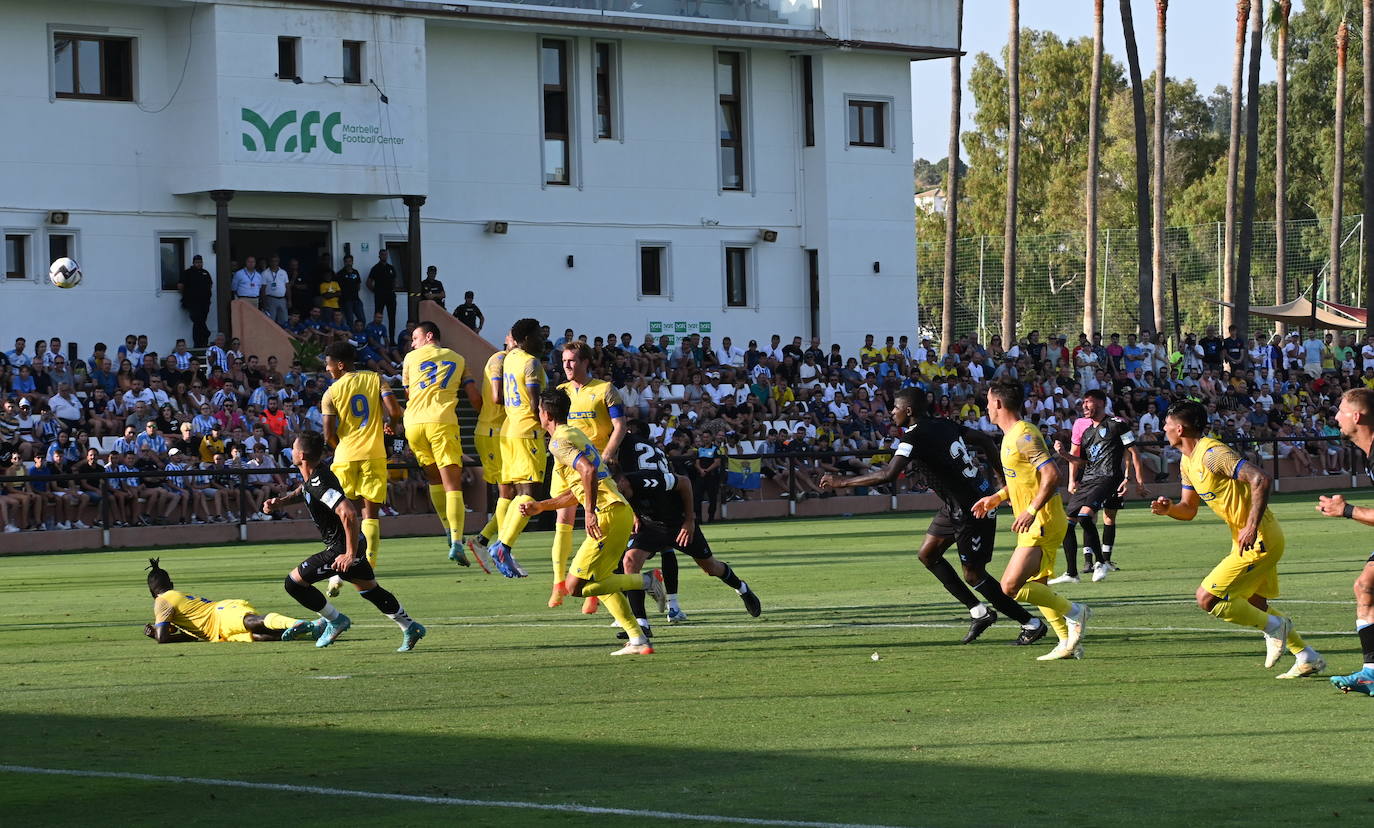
[[636, 154]]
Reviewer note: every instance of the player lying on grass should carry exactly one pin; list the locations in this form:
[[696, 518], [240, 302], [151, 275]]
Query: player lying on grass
[[180, 616]]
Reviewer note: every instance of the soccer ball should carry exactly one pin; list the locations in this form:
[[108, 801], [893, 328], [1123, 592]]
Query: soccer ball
[[65, 273]]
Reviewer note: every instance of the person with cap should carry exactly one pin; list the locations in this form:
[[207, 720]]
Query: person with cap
[[196, 289]]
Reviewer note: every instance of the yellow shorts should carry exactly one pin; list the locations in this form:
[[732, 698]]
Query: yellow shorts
[[1048, 539], [1242, 574], [488, 444], [435, 444], [523, 459], [228, 625], [597, 559], [362, 478]]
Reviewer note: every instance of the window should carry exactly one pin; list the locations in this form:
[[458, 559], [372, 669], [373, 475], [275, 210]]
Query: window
[[653, 269], [553, 69], [352, 61], [171, 260], [61, 244], [867, 124], [808, 101], [94, 68], [288, 58], [604, 57], [16, 256], [737, 277], [729, 85]]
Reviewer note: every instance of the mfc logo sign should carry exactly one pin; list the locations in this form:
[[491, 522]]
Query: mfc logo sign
[[313, 128]]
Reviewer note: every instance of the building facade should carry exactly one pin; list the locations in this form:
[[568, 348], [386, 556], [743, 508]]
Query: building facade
[[739, 168]]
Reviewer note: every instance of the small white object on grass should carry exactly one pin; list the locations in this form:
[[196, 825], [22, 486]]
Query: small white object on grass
[[875, 656]]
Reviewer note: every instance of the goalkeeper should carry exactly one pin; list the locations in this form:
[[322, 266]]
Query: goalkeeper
[[180, 616]]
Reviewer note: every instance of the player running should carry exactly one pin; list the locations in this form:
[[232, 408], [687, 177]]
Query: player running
[[1032, 487], [180, 616], [1239, 588], [609, 518], [1097, 482], [934, 452], [345, 548], [352, 408], [1355, 417], [432, 375], [487, 442], [523, 452]]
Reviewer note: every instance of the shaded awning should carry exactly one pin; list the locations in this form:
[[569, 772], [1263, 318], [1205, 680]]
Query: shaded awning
[[1299, 312], [1358, 314]]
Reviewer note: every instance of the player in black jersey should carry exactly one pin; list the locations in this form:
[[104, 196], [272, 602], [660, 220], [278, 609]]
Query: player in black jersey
[[934, 452], [1097, 482], [345, 552]]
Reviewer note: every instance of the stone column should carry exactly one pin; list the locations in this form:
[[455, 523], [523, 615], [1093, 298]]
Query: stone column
[[414, 261], [223, 277]]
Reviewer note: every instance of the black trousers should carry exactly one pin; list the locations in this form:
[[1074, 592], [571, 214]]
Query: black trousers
[[387, 302], [200, 332]]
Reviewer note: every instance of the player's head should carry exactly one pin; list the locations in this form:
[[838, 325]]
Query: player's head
[[577, 360], [425, 333], [338, 358], [1094, 403], [909, 404], [553, 408], [158, 579], [1006, 396], [525, 333], [1185, 418], [1356, 412], [308, 448], [637, 428]]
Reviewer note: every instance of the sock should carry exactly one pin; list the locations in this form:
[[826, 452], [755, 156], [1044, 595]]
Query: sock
[[978, 612], [1242, 613], [562, 550], [372, 533], [619, 608], [277, 621], [1092, 542], [1106, 551], [1307, 655], [609, 584], [1108, 538], [672, 602], [992, 592], [307, 595], [328, 612], [494, 522], [453, 504], [514, 523], [668, 566], [384, 601], [730, 578], [1071, 550], [1295, 643], [1365, 629], [436, 496], [1052, 605], [953, 584], [636, 599]]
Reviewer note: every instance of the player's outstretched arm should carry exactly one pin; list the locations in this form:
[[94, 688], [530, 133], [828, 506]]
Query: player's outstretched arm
[[529, 508], [886, 474], [281, 500], [1184, 509], [166, 633], [1336, 506]]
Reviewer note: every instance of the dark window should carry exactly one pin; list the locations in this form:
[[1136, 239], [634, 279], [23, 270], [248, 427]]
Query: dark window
[[59, 245], [728, 86], [553, 60], [96, 68], [288, 57], [808, 102], [651, 270], [605, 90], [172, 259], [737, 277], [16, 257], [352, 61], [867, 123]]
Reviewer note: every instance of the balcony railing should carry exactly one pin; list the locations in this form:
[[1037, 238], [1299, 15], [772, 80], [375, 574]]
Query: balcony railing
[[799, 14]]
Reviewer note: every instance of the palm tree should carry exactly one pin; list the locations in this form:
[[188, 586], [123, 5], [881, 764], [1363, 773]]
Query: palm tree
[[1094, 110], [1241, 317], [1228, 267], [1161, 123], [1282, 9], [1145, 309], [1367, 52], [1333, 276], [952, 186], [1013, 175]]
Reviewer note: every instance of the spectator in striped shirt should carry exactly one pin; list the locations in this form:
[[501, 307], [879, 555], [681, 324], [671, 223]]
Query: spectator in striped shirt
[[182, 356], [150, 439]]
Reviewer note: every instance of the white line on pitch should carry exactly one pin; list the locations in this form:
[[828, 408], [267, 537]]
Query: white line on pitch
[[434, 800]]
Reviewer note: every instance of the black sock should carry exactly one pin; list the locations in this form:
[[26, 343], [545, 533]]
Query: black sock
[[1090, 537], [1367, 643], [991, 590], [1108, 539], [1071, 550], [382, 600], [954, 585], [636, 599], [668, 565], [305, 594], [729, 577]]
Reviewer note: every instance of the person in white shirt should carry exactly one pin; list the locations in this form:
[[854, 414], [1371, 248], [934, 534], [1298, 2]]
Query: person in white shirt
[[838, 407], [774, 349], [247, 282], [1367, 352], [1265, 399], [729, 355], [65, 406], [136, 394], [1260, 354], [717, 392], [274, 284]]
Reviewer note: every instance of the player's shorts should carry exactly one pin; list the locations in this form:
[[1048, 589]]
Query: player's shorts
[[228, 624], [974, 537], [488, 447], [595, 559], [1243, 573], [362, 478], [435, 444], [1048, 539], [1097, 494], [654, 537], [523, 459], [320, 566]]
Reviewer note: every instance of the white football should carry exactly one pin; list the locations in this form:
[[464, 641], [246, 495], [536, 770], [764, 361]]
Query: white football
[[65, 273]]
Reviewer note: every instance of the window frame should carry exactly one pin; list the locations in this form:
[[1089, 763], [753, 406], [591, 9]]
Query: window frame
[[738, 98], [26, 271], [665, 269], [568, 89], [751, 299], [884, 107], [295, 45], [362, 61], [188, 240], [100, 36], [73, 247], [613, 92]]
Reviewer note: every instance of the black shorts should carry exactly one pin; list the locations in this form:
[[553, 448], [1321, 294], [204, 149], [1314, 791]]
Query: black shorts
[[655, 537], [974, 537], [320, 566], [1096, 494]]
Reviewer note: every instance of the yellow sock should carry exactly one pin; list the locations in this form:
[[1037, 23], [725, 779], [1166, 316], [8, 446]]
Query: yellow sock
[[453, 503], [436, 496], [277, 621], [610, 584], [1241, 613], [562, 551], [1052, 605], [372, 533], [514, 523], [620, 611], [493, 526]]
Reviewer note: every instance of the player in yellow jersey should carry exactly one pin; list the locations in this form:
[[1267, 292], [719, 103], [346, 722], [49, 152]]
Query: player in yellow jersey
[[487, 442], [610, 520], [1033, 489], [353, 408], [1239, 588], [179, 616], [432, 375], [598, 412], [523, 451]]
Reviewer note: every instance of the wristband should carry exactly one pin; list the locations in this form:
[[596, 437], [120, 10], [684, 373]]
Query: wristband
[[1348, 511]]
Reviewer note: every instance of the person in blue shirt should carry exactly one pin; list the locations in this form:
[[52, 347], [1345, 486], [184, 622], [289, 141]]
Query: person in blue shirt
[[150, 439]]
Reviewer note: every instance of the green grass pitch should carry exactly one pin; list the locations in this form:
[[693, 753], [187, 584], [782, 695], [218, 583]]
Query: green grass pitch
[[1170, 718]]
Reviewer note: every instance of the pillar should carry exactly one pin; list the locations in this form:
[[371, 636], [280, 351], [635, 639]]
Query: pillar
[[414, 261], [223, 278]]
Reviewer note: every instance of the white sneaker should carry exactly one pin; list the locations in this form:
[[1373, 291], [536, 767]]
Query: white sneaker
[[1101, 571], [1303, 669], [195, 521], [653, 584], [80, 525], [233, 518], [1062, 650], [1064, 579], [1077, 619], [10, 527], [1274, 645], [66, 524]]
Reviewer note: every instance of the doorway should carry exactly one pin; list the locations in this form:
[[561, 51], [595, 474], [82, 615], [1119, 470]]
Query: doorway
[[307, 242]]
